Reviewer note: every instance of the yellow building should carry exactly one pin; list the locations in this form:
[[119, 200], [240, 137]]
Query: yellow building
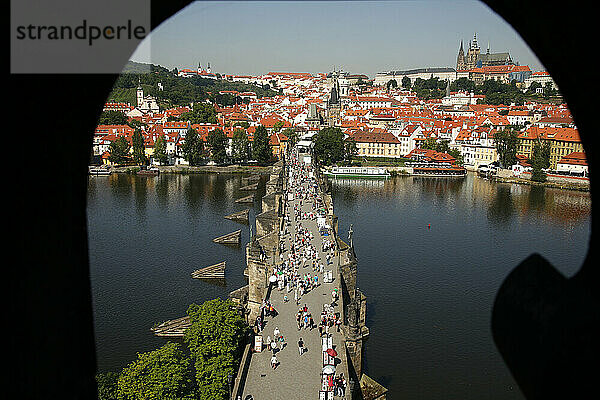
[[563, 141], [376, 144]]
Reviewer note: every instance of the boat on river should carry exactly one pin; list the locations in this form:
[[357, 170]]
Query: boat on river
[[358, 172], [438, 170], [99, 170], [151, 171]]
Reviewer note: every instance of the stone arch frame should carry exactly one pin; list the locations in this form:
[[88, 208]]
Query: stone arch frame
[[52, 296]]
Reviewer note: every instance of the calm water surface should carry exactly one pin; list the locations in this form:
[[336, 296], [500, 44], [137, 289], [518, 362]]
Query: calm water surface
[[430, 289], [432, 254]]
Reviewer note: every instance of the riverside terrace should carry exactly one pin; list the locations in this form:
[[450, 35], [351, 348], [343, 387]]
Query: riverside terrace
[[296, 243]]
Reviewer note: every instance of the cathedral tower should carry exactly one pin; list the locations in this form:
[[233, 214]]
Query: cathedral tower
[[460, 60], [473, 53]]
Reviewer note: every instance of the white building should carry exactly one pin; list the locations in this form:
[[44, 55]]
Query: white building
[[382, 78], [459, 99], [542, 78], [146, 104]]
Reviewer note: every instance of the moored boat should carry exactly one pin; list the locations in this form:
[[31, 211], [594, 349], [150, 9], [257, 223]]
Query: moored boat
[[358, 172], [99, 170], [441, 170], [151, 171]]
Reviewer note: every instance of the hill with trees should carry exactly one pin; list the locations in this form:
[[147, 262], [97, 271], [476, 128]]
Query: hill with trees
[[176, 90]]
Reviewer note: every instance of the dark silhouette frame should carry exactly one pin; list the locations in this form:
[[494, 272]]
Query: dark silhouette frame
[[543, 324]]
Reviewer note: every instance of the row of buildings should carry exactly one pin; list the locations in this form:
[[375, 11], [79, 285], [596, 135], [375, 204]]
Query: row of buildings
[[383, 122]]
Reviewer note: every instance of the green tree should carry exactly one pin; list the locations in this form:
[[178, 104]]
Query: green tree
[[350, 150], [243, 124], [506, 142], [119, 150], [406, 82], [457, 155], [164, 373], [443, 146], [261, 147], [462, 84], [215, 339], [217, 143], [137, 141], [107, 385], [392, 83], [240, 146], [193, 147], [329, 145], [277, 126], [160, 150], [430, 144], [540, 160], [549, 90], [200, 114], [112, 117]]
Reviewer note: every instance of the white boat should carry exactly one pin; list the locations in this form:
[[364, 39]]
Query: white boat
[[100, 170], [358, 172]]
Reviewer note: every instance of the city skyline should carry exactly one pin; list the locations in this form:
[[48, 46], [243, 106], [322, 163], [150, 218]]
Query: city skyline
[[358, 36]]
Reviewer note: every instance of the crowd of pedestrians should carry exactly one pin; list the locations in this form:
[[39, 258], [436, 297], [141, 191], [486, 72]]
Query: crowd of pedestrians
[[300, 270]]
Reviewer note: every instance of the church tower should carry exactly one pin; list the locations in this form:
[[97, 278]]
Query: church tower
[[208, 68], [460, 60], [334, 103], [473, 53], [139, 94]]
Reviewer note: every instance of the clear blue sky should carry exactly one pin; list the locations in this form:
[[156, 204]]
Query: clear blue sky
[[358, 36]]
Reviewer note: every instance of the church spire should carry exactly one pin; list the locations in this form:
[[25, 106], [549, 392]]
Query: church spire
[[460, 59]]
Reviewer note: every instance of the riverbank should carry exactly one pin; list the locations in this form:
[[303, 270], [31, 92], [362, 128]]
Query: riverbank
[[555, 185], [506, 176], [203, 169]]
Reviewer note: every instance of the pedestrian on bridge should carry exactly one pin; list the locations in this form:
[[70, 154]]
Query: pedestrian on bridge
[[300, 346]]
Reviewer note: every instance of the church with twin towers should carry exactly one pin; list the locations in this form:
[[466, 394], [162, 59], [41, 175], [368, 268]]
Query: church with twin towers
[[475, 59]]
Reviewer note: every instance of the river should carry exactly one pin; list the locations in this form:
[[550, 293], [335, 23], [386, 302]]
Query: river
[[432, 253]]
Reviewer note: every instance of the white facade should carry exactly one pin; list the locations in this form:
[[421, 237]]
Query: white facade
[[382, 78], [542, 78], [459, 99]]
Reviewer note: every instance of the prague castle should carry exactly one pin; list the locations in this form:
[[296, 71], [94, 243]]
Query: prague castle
[[475, 59]]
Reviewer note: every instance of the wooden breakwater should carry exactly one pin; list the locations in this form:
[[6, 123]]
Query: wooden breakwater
[[246, 199], [252, 186], [172, 328], [240, 216], [215, 271], [230, 238]]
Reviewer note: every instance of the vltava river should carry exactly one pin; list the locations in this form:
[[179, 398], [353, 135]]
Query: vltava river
[[432, 253]]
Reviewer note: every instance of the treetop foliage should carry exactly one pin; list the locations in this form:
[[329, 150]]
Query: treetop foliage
[[215, 341]]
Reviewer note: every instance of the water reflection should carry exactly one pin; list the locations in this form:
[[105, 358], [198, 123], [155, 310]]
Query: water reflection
[[162, 193], [503, 201], [501, 209], [146, 234], [431, 290], [140, 187]]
